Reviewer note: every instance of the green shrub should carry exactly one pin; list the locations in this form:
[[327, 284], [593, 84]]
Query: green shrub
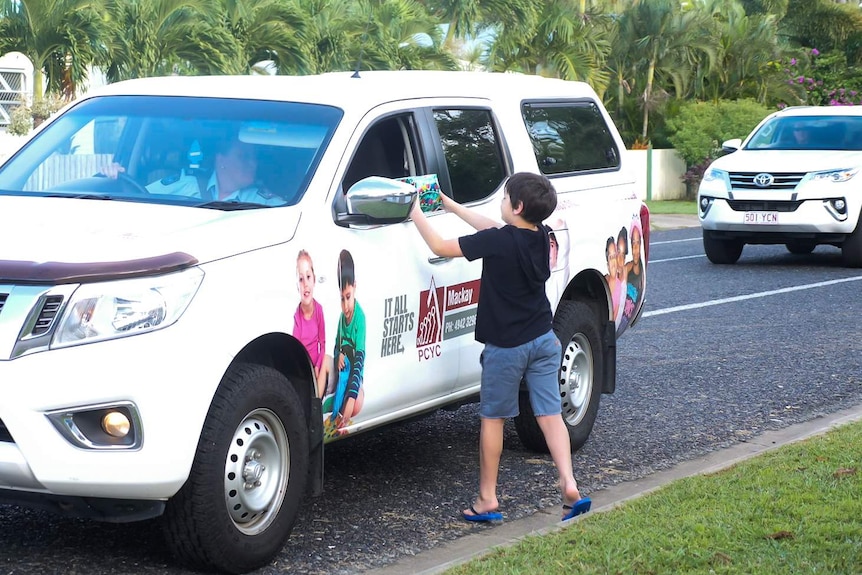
[[21, 122], [41, 110], [699, 128]]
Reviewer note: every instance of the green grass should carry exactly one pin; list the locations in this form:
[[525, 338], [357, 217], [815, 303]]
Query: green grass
[[797, 509], [672, 206]]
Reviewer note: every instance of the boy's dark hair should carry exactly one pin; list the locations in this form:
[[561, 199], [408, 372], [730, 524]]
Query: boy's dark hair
[[346, 275], [535, 192]]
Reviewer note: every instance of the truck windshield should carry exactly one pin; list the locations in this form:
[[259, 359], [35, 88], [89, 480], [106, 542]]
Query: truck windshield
[[209, 152]]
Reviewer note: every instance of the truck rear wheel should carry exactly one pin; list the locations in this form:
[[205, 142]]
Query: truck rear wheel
[[576, 325], [241, 499]]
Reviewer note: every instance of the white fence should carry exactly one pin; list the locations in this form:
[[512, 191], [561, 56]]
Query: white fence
[[659, 173]]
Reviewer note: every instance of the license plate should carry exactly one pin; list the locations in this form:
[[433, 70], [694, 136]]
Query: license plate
[[768, 218]]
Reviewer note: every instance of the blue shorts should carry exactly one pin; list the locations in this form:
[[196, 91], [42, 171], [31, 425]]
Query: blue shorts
[[537, 362]]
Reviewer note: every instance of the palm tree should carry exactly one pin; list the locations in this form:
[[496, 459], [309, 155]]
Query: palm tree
[[748, 48], [329, 32], [159, 37], [467, 19], [265, 31], [397, 35], [60, 37], [666, 44], [564, 43]]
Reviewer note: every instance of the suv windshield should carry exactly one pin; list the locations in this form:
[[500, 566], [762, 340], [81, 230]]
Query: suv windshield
[[809, 133], [211, 152]]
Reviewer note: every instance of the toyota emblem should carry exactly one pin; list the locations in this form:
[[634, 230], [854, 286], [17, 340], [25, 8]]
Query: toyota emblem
[[763, 180]]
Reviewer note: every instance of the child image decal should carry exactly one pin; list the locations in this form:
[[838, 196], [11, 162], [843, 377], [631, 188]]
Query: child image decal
[[625, 278], [308, 325], [341, 376]]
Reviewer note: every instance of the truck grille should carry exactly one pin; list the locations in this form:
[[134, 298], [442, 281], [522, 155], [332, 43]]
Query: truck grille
[[760, 206], [4, 433], [780, 181], [3, 297]]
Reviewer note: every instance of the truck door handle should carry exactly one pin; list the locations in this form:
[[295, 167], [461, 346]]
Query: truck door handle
[[438, 260]]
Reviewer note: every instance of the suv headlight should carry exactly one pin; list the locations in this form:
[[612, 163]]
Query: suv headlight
[[121, 308], [713, 174], [715, 181], [834, 175]]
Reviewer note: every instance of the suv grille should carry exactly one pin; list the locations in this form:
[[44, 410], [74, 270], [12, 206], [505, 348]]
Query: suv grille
[[781, 181], [4, 433], [47, 314], [760, 206], [3, 297]]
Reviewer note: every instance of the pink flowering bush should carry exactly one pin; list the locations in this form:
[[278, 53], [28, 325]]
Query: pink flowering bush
[[824, 80]]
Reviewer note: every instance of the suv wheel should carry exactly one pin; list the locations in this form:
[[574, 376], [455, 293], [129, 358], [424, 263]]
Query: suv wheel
[[851, 249], [241, 499], [721, 251], [577, 326]]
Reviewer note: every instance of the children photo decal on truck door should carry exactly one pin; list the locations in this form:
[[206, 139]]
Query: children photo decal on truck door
[[633, 271], [625, 275], [309, 326], [343, 371]]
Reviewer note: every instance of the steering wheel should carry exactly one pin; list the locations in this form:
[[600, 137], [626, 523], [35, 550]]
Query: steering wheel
[[129, 182]]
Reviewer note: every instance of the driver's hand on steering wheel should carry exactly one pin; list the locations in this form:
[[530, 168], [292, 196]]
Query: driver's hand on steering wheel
[[113, 170]]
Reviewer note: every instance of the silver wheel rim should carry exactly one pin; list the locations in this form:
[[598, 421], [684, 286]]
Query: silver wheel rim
[[256, 471], [576, 378]]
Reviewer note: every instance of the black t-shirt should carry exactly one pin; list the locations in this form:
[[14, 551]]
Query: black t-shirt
[[513, 307]]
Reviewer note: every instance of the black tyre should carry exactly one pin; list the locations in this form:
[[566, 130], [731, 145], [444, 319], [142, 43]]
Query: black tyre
[[800, 247], [577, 326], [241, 499], [721, 251], [851, 249]]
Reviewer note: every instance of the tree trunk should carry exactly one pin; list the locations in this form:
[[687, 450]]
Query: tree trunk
[[648, 94]]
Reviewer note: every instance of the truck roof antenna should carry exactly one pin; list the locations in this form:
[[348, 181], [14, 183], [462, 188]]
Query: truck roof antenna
[[362, 46]]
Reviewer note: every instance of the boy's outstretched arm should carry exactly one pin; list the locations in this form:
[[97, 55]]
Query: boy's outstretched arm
[[440, 247], [475, 219]]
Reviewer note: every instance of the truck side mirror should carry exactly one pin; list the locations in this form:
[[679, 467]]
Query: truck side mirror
[[376, 200]]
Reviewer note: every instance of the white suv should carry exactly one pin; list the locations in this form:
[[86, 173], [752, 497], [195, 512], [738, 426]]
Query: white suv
[[794, 181], [173, 344]]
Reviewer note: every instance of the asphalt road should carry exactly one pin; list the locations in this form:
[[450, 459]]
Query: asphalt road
[[722, 354]]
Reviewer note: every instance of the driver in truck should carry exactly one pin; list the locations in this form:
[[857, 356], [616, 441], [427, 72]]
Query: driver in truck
[[233, 178]]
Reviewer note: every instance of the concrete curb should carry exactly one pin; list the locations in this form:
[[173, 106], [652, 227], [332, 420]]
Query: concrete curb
[[466, 548]]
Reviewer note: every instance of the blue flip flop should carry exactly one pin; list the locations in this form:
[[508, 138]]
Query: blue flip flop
[[580, 507], [479, 517]]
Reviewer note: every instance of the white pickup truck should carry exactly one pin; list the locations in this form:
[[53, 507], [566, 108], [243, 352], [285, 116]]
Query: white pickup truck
[[204, 280]]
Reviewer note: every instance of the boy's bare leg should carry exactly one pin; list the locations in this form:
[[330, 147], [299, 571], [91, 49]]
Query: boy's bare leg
[[490, 450], [557, 438]]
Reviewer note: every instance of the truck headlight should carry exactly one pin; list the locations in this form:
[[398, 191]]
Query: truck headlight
[[835, 175], [108, 310]]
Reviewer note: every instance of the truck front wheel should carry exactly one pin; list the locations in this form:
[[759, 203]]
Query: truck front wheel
[[241, 499], [576, 325]]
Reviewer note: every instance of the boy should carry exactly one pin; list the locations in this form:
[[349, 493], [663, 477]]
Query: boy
[[514, 321], [349, 354]]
